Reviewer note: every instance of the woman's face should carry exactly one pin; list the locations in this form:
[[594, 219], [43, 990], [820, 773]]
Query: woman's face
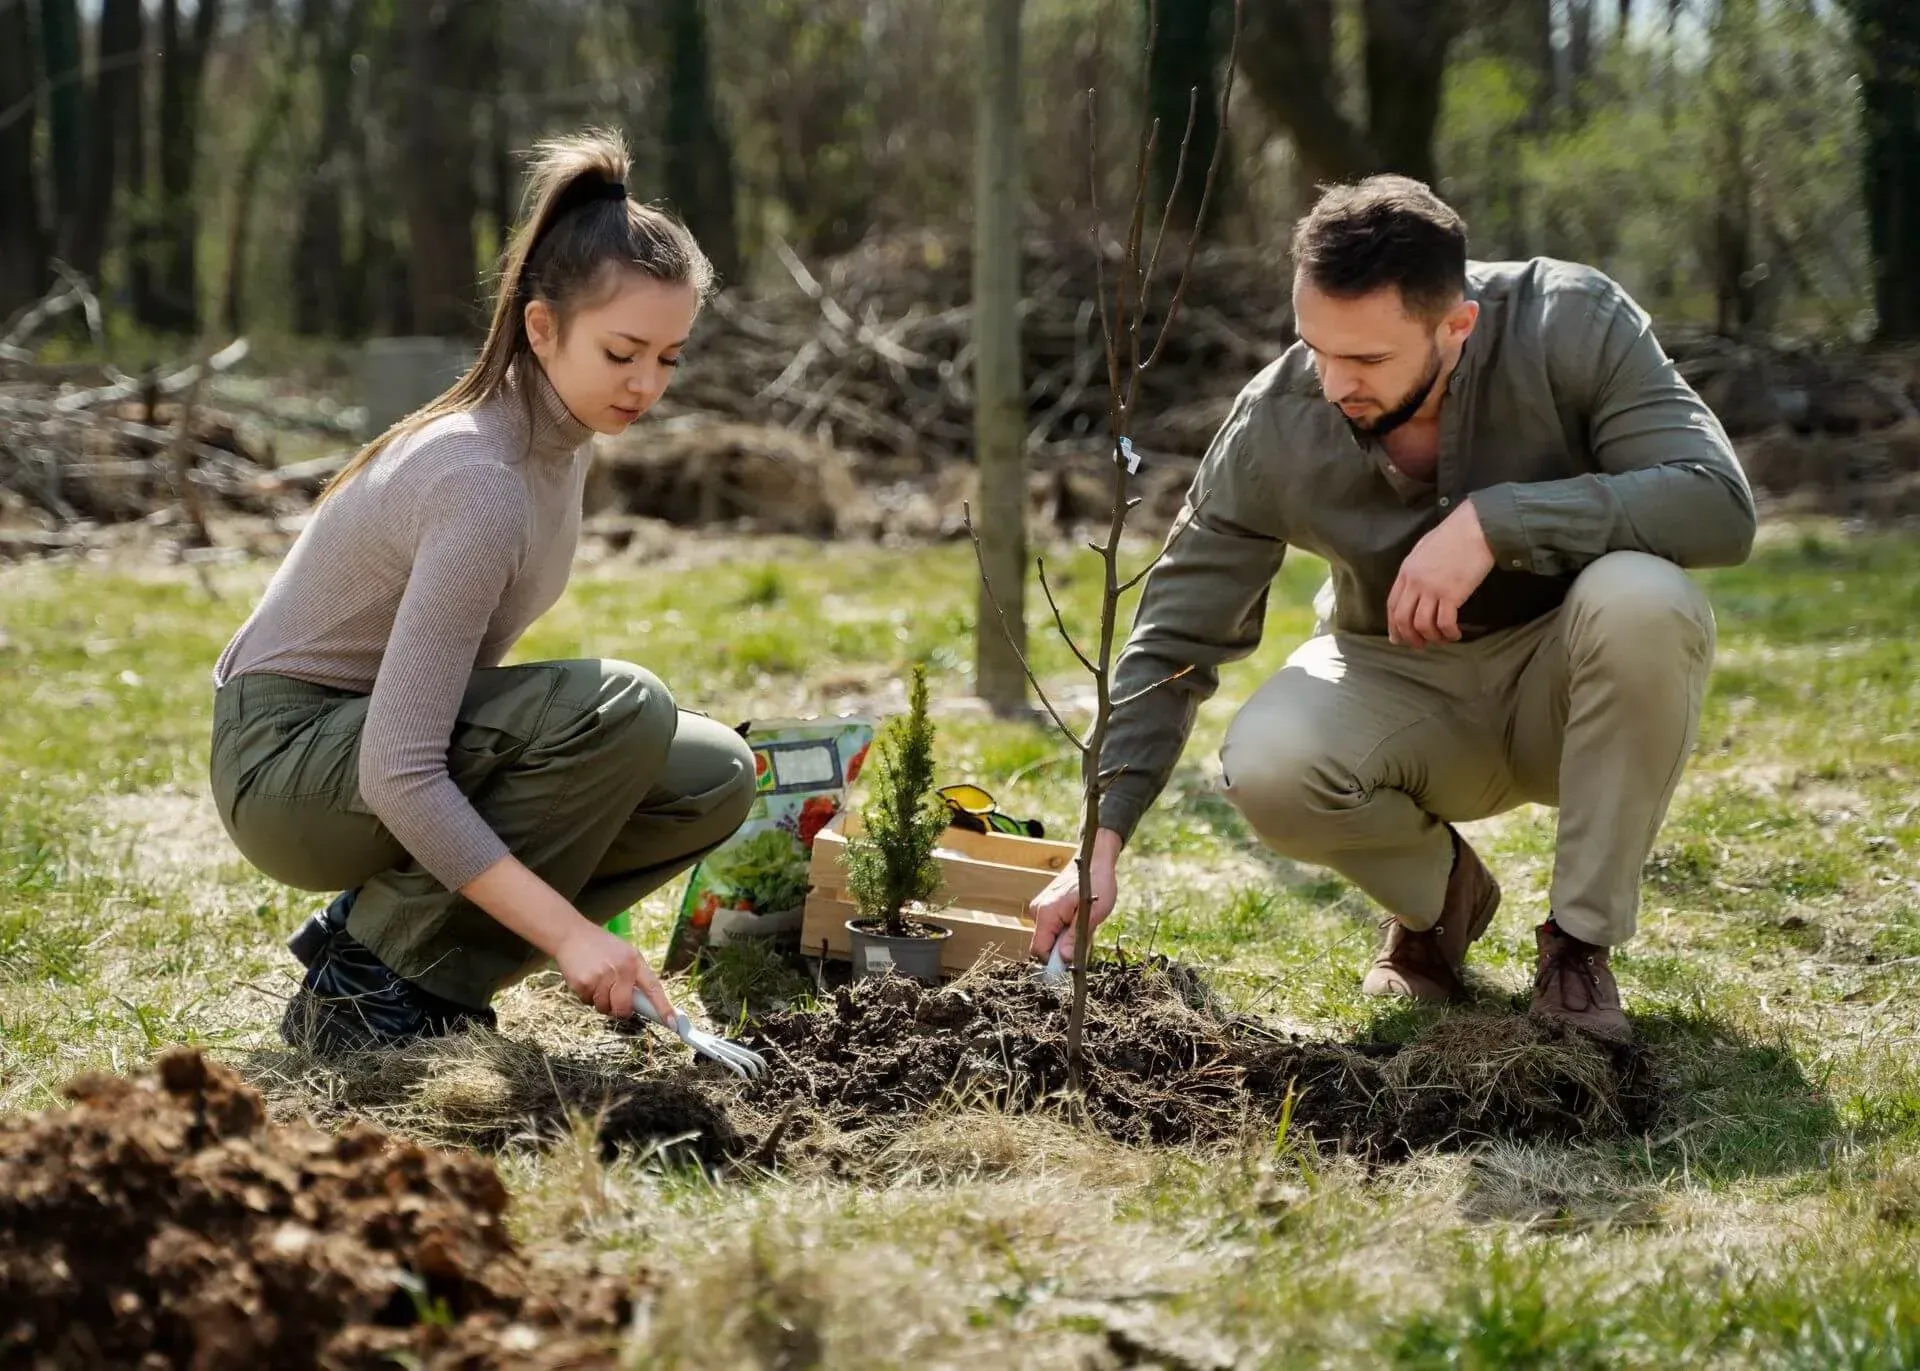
[[614, 356]]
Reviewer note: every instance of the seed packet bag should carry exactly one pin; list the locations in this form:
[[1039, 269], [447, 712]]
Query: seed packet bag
[[754, 885]]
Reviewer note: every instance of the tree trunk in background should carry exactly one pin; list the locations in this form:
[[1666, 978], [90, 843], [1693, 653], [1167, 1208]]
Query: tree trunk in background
[[1180, 81], [999, 402], [167, 293], [1406, 65], [699, 171], [286, 68], [378, 294], [1889, 37], [323, 299], [1580, 30], [1732, 37], [23, 241], [440, 44], [1544, 58], [502, 183], [1286, 52], [113, 125], [63, 72]]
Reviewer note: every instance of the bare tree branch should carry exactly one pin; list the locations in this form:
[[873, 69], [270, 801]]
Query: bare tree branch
[[1206, 193], [1173, 191], [1145, 691], [1059, 622], [1180, 525], [1100, 259], [979, 556]]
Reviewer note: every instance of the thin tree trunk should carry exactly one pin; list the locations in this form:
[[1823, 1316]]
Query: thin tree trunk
[[501, 181], [266, 129], [1889, 36], [172, 286], [1537, 18], [999, 416], [378, 293], [23, 239], [66, 96], [319, 290], [114, 122], [699, 171], [1580, 27], [440, 145], [1180, 83]]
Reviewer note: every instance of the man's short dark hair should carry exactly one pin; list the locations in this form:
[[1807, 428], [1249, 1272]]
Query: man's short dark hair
[[1384, 231]]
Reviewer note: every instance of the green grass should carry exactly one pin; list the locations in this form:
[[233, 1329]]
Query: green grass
[[1771, 1219]]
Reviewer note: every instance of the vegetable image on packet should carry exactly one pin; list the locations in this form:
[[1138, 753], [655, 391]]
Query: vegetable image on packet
[[754, 885]]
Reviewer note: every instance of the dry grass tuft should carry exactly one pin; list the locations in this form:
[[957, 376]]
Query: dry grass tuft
[[1556, 1189], [1519, 1076]]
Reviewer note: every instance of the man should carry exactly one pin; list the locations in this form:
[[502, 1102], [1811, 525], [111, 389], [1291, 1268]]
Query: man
[[1506, 475]]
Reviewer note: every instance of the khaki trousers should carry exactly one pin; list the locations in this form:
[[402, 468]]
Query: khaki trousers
[[586, 770], [1358, 753]]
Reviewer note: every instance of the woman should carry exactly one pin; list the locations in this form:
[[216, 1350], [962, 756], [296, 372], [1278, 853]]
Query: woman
[[481, 818]]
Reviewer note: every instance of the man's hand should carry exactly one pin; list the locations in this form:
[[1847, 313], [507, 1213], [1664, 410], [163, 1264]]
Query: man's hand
[[1055, 908], [605, 970], [1444, 568]]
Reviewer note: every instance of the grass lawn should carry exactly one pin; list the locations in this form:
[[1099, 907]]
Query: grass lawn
[[1773, 1217]]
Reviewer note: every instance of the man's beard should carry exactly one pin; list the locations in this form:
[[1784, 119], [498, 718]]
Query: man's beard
[[1406, 409]]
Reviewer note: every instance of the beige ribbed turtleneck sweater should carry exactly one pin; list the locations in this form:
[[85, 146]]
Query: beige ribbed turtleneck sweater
[[428, 564]]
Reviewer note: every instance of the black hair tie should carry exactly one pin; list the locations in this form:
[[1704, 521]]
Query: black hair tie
[[587, 190]]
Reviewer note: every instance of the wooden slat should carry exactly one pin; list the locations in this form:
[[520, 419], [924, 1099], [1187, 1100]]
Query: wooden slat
[[985, 893], [974, 934], [1006, 849]]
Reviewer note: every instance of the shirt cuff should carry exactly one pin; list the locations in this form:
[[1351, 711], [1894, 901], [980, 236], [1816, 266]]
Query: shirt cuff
[[1506, 535], [1121, 812]]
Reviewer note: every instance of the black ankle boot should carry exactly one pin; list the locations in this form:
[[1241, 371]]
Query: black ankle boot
[[351, 1001], [311, 938]]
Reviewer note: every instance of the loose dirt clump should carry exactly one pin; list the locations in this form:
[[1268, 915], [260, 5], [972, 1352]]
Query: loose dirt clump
[[162, 1220], [1166, 1065]]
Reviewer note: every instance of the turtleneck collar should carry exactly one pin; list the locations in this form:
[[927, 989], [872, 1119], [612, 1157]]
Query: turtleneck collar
[[555, 434]]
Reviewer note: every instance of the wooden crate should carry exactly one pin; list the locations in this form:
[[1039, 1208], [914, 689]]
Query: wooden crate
[[988, 880]]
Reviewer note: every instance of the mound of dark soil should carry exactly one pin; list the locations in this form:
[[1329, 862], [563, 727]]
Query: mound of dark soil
[[1165, 1065], [162, 1220]]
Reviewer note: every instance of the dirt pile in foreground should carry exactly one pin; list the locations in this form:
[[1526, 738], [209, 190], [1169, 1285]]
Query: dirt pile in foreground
[[1166, 1066], [161, 1220]]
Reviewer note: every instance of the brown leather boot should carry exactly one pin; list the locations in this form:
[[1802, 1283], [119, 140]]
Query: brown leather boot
[[1426, 965], [1575, 985]]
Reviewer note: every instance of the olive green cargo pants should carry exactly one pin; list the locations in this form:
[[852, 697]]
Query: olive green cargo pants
[[586, 770]]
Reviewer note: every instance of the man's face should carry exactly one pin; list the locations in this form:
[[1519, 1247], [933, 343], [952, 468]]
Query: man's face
[[1376, 361]]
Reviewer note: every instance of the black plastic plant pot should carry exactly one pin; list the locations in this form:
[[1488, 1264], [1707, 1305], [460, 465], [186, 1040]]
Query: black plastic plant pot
[[875, 952]]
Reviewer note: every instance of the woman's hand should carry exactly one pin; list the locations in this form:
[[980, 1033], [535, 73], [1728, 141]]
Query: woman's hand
[[605, 970]]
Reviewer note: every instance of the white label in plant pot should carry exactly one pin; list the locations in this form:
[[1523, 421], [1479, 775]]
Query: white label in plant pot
[[878, 957]]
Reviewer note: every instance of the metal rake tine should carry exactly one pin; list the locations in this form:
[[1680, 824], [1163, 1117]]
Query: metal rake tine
[[729, 1053], [712, 1053]]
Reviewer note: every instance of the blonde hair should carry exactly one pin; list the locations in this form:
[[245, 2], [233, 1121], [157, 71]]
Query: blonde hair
[[581, 223]]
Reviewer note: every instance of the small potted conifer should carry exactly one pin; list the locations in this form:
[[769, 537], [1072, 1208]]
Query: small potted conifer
[[891, 869]]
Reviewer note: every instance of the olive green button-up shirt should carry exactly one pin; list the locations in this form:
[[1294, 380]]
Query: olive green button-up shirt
[[1564, 422]]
